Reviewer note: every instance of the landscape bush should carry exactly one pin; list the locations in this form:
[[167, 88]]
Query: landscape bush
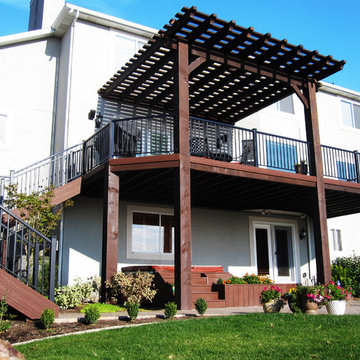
[[5, 324], [170, 310], [92, 315], [346, 270], [132, 309], [201, 306], [133, 287], [47, 318], [71, 296]]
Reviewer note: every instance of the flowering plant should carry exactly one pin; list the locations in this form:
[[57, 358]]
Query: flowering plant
[[336, 292], [294, 300], [314, 294], [248, 279], [272, 293]]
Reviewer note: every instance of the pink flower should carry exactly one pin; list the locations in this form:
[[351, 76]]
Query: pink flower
[[309, 296], [265, 288]]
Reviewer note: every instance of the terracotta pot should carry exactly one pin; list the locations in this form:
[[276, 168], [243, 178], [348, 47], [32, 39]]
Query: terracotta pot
[[310, 307], [273, 306], [336, 307]]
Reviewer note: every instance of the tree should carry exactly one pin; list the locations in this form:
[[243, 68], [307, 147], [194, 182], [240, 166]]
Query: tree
[[36, 209]]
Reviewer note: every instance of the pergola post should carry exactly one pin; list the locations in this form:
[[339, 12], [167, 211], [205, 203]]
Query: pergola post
[[182, 187], [109, 259], [319, 202]]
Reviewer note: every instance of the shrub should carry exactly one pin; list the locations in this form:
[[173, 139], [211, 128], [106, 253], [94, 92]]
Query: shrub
[[170, 310], [4, 323], [134, 287], [347, 271], [68, 296], [72, 296], [201, 306], [293, 297], [220, 281], [132, 309], [92, 315], [47, 318], [248, 279]]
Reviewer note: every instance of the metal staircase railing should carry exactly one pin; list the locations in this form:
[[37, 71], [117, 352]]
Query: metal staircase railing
[[27, 254]]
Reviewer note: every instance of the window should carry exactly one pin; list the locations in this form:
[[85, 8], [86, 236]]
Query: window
[[336, 239], [280, 155], [124, 48], [151, 233], [285, 105], [351, 114], [346, 171]]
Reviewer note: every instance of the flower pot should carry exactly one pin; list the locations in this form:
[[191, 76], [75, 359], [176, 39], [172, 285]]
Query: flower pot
[[310, 307], [273, 306], [336, 307]]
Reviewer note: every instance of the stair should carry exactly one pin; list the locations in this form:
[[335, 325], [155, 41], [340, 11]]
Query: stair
[[22, 298], [27, 266], [201, 283]]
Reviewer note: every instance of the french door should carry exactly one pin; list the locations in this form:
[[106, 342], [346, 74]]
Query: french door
[[274, 252]]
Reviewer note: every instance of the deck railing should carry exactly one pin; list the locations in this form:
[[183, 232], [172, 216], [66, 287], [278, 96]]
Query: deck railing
[[341, 164], [55, 170], [27, 254], [251, 147], [154, 135]]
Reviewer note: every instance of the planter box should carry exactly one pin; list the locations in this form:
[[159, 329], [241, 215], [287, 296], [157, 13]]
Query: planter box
[[246, 295]]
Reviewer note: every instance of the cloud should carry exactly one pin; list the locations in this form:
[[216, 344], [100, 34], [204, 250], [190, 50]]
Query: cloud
[[22, 4]]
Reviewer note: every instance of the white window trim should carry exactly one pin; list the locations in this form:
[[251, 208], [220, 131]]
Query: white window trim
[[341, 116], [149, 210], [267, 223]]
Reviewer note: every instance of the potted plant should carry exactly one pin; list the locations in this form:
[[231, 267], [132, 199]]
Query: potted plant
[[270, 298], [292, 297], [301, 168], [312, 297], [336, 296]]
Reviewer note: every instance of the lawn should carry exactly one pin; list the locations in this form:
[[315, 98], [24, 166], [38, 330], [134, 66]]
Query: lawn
[[252, 336]]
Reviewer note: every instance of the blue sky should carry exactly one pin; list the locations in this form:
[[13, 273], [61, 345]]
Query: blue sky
[[329, 26]]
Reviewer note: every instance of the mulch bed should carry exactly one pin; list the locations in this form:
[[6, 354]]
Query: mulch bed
[[27, 330]]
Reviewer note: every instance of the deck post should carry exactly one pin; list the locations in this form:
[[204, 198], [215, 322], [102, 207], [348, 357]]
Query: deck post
[[110, 241], [319, 202], [182, 189]]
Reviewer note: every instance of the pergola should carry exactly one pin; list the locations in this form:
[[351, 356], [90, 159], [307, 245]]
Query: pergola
[[233, 71], [209, 68]]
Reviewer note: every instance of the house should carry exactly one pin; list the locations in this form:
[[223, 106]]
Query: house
[[216, 148]]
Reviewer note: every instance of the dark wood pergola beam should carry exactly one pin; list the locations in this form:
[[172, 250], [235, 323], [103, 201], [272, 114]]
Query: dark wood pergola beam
[[247, 66]]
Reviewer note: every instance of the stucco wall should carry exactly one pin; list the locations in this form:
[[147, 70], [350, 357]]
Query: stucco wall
[[218, 238], [27, 74]]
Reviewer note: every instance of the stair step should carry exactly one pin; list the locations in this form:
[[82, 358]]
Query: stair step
[[199, 281], [207, 296], [201, 288], [216, 303]]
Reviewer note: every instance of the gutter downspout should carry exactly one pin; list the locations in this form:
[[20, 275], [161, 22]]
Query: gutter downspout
[[66, 136], [69, 80]]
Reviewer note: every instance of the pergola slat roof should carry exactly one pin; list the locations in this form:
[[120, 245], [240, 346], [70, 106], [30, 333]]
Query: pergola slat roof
[[236, 71]]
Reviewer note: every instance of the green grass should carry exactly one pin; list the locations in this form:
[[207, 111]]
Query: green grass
[[106, 308], [252, 336]]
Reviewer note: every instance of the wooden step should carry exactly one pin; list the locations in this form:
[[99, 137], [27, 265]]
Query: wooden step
[[199, 281], [24, 299], [206, 295], [216, 304], [201, 288]]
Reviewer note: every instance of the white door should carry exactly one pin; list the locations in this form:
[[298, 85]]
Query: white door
[[274, 252], [283, 254]]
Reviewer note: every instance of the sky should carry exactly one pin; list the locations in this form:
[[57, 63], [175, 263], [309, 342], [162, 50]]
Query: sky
[[329, 26]]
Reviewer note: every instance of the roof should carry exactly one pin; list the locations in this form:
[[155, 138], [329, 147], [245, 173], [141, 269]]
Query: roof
[[235, 71]]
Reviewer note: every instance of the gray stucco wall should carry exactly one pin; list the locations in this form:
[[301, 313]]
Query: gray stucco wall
[[219, 238]]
